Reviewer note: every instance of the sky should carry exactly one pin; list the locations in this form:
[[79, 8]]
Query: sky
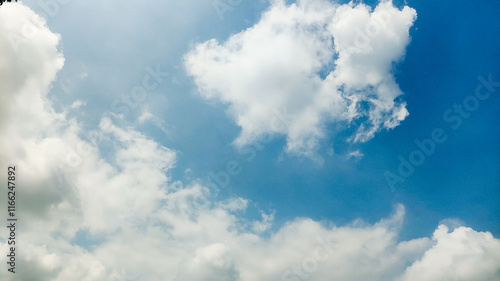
[[244, 140]]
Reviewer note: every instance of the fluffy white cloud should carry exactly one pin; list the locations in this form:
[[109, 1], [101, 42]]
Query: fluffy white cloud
[[145, 227], [31, 134], [463, 254], [318, 61]]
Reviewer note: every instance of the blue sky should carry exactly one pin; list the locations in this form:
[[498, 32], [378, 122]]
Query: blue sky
[[449, 49], [209, 111]]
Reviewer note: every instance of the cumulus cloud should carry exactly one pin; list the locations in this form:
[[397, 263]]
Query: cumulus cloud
[[31, 131], [316, 61], [463, 254], [112, 185]]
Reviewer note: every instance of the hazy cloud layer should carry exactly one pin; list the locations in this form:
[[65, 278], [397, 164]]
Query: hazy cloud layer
[[142, 226], [316, 61]]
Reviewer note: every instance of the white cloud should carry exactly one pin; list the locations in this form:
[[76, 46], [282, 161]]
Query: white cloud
[[276, 64], [145, 116], [463, 254], [265, 224], [354, 154], [234, 204], [146, 227], [452, 223], [77, 104]]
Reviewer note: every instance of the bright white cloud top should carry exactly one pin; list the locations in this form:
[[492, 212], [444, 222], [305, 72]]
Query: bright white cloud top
[[146, 227], [317, 61]]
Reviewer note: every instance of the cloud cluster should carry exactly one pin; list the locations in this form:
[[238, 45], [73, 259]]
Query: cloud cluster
[[138, 225], [320, 62], [463, 254]]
